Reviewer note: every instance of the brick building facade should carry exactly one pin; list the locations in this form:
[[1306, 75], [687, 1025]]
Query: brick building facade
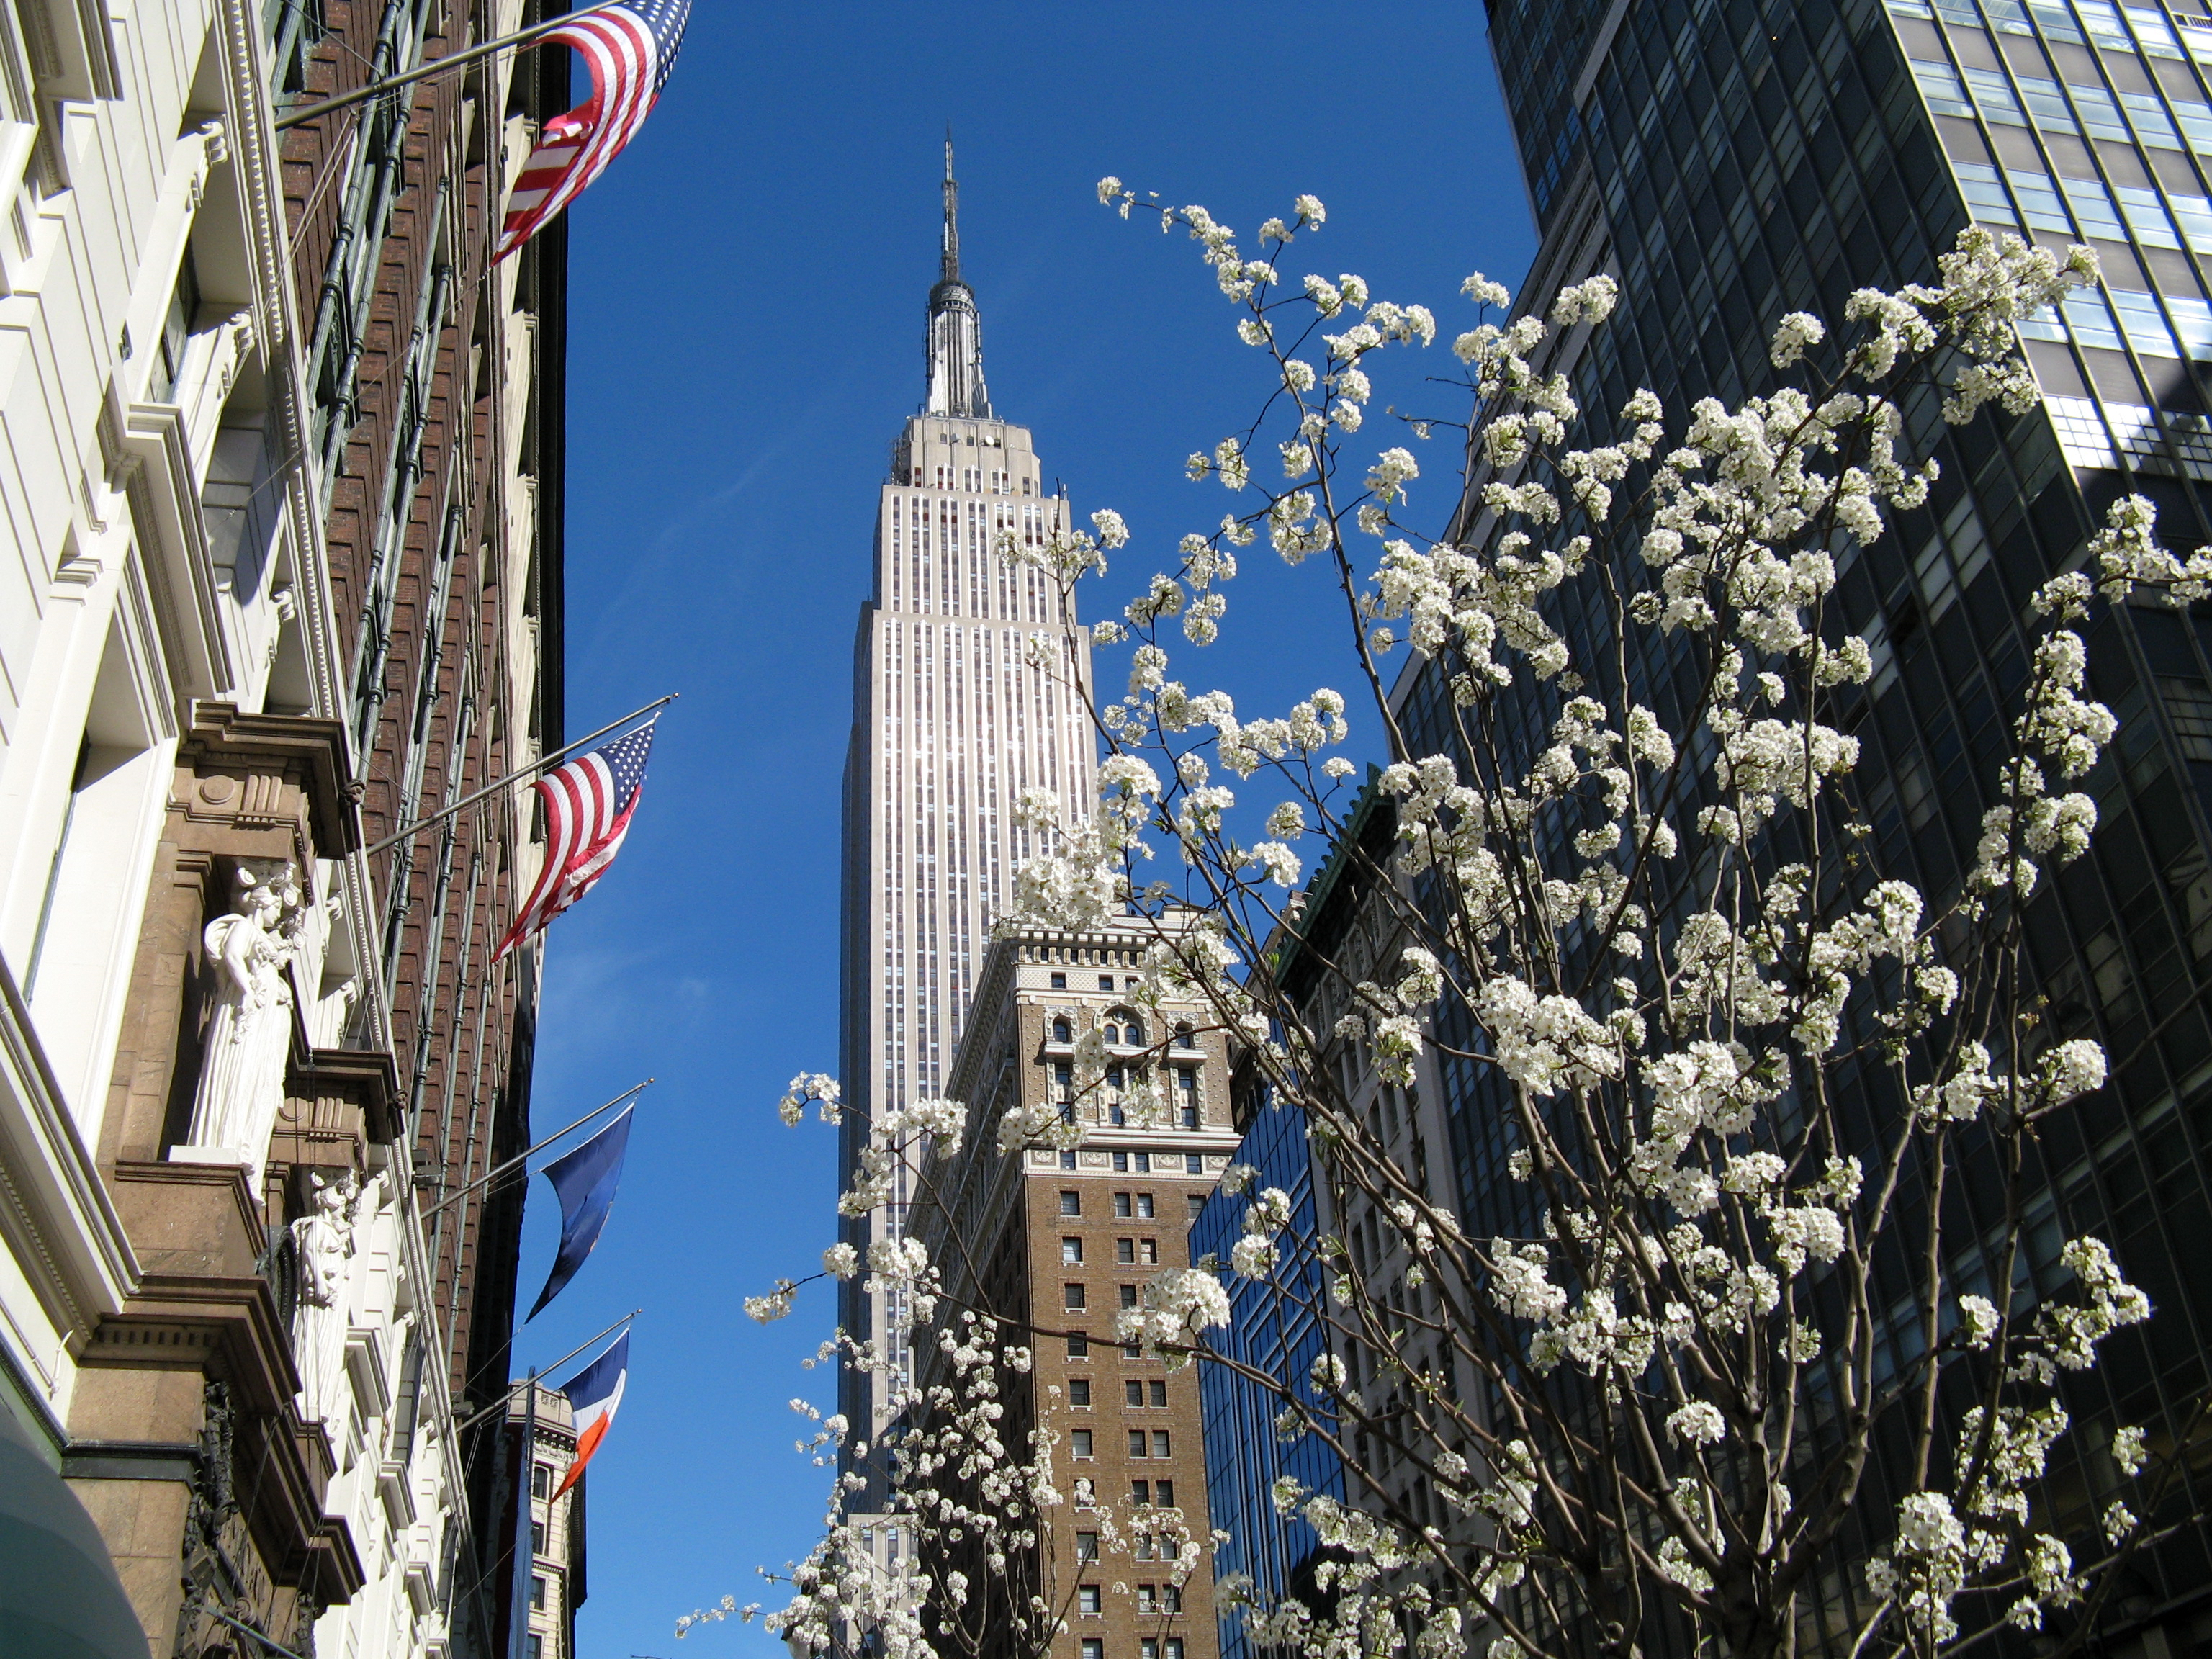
[[1060, 1240]]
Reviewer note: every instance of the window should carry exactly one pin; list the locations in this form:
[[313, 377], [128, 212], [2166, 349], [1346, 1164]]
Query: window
[[1072, 1298], [2099, 114], [1120, 1164], [2192, 320], [1125, 1249], [1105, 981], [1148, 1601], [176, 333], [1078, 1442], [2147, 116], [2046, 104], [2146, 215], [1067, 1157], [1193, 1164], [1141, 1491], [1941, 87], [537, 1591], [1079, 1346], [1993, 95], [1086, 1603], [2040, 202], [1136, 1389], [1171, 1648], [1059, 981], [1143, 1206], [1187, 1086], [1121, 1206], [1144, 1163], [2144, 323], [2150, 29], [1158, 1387], [1061, 1032], [1151, 1252], [2089, 320], [1071, 1203], [2093, 209], [534, 1647], [1086, 1547], [1195, 1202], [1078, 1392], [541, 1480], [2054, 22], [1132, 1031], [1166, 1491], [1086, 1494], [1071, 1256], [1172, 1598], [1160, 1446], [1133, 1350], [2195, 120], [538, 1538], [2194, 214], [1093, 1648], [1184, 1039], [1128, 1296], [1136, 1442], [1150, 1644]]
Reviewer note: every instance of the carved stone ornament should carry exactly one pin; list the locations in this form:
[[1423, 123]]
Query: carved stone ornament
[[324, 1240], [249, 1035]]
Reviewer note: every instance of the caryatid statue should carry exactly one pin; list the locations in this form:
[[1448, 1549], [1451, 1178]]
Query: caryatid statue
[[249, 1035], [324, 1240]]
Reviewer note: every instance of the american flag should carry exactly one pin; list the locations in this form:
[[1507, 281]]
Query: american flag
[[588, 803], [630, 45]]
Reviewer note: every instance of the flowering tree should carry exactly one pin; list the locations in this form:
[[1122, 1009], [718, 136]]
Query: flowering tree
[[1742, 1068]]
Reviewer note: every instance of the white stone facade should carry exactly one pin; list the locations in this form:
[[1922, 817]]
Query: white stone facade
[[160, 551], [951, 721]]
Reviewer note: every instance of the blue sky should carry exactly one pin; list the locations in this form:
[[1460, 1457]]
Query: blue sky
[[747, 292]]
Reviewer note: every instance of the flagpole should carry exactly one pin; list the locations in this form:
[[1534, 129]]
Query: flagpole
[[522, 1156], [500, 1404], [423, 72], [525, 1541], [541, 761]]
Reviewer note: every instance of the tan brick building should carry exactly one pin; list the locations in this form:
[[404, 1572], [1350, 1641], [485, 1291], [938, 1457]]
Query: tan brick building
[[1060, 1240]]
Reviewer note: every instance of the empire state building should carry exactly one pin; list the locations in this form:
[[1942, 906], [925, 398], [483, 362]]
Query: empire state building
[[950, 724]]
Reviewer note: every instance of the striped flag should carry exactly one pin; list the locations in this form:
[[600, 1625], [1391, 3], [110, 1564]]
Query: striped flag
[[588, 802], [630, 45], [595, 1394]]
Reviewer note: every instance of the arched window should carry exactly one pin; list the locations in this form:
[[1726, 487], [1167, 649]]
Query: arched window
[[1132, 1033], [1060, 1031]]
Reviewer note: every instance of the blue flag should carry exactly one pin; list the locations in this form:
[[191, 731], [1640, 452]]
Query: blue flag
[[584, 1182]]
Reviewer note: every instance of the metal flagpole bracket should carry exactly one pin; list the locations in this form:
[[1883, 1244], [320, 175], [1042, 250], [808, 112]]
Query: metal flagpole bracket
[[538, 765]]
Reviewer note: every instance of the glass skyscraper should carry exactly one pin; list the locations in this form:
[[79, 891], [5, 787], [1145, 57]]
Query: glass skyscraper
[[1732, 161], [1276, 1328]]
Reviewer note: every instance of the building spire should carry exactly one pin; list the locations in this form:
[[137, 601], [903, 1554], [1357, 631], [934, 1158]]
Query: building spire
[[956, 332], [952, 271]]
